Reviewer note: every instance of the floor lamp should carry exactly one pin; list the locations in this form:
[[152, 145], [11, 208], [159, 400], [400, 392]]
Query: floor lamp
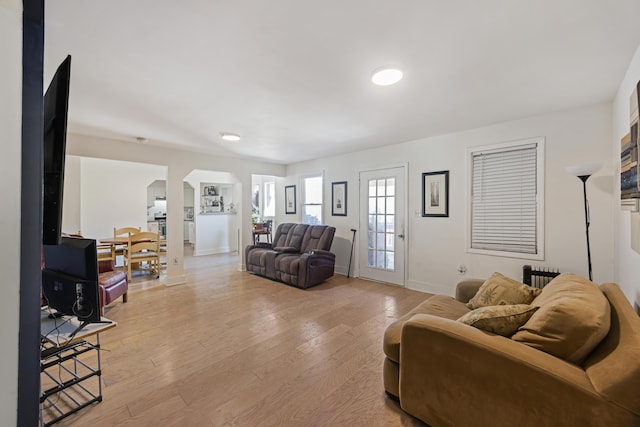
[[584, 172]]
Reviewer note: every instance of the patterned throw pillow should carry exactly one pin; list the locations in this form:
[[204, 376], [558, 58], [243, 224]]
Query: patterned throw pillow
[[501, 290], [499, 319]]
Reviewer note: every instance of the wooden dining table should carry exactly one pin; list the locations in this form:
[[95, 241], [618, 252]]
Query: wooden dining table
[[123, 241], [115, 244]]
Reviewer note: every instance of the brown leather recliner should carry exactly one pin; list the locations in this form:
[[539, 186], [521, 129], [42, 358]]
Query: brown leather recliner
[[299, 255]]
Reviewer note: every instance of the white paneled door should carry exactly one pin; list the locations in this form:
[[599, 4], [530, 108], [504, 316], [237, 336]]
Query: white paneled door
[[382, 225]]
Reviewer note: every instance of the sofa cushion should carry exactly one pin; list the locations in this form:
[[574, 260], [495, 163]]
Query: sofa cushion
[[437, 305], [499, 319], [574, 316], [502, 290], [317, 237]]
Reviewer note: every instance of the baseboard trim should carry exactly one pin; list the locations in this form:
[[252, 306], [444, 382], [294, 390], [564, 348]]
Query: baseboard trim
[[223, 250], [431, 288], [173, 280]]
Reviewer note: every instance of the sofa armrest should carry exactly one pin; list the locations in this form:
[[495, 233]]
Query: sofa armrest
[[445, 364], [322, 253], [315, 267], [263, 245], [467, 289]]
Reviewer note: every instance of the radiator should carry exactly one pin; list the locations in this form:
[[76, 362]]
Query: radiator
[[538, 277]]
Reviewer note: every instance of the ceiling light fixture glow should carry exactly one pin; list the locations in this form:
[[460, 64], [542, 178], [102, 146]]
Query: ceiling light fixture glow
[[230, 136], [386, 76]]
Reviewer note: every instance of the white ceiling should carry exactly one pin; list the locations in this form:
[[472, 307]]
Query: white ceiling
[[292, 76]]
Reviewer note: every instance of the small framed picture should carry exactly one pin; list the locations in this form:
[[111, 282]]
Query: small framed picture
[[435, 194], [290, 199], [339, 198]]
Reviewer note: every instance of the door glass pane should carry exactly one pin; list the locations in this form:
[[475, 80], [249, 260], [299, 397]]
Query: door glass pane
[[371, 240], [372, 222], [391, 223], [381, 233], [391, 205], [372, 188], [390, 261], [391, 187], [390, 243]]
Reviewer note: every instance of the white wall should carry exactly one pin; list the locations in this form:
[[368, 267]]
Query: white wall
[[71, 209], [114, 194], [627, 265], [436, 246], [10, 139]]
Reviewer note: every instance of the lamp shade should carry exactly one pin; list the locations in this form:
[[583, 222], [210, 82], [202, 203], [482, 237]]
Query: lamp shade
[[583, 170]]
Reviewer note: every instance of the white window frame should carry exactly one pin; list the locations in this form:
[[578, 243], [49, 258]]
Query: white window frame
[[540, 172], [303, 197]]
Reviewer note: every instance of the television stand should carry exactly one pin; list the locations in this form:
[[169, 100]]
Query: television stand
[[70, 375]]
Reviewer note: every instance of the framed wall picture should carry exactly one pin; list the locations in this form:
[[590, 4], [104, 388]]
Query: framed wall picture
[[339, 198], [290, 199], [435, 194]]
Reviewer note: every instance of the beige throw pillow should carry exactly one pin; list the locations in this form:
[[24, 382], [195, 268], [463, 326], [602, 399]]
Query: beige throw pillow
[[573, 318], [502, 290], [499, 319]]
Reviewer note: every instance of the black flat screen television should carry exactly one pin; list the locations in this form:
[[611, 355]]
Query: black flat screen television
[[70, 278], [56, 102]]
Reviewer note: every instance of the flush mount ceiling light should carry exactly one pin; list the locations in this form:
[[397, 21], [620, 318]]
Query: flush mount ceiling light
[[230, 136], [386, 76]]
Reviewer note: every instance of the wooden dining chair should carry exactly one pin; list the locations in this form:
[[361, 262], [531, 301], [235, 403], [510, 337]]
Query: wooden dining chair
[[118, 249], [143, 247], [125, 231]]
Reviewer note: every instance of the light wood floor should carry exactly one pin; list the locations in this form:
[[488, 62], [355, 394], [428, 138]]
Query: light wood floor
[[232, 349]]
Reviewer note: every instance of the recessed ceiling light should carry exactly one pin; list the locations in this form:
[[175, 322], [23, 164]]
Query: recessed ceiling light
[[386, 76], [230, 136]]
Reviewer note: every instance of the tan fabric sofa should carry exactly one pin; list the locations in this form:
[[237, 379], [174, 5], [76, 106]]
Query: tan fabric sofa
[[448, 373]]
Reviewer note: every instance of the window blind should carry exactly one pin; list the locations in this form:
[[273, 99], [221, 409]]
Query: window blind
[[504, 199]]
